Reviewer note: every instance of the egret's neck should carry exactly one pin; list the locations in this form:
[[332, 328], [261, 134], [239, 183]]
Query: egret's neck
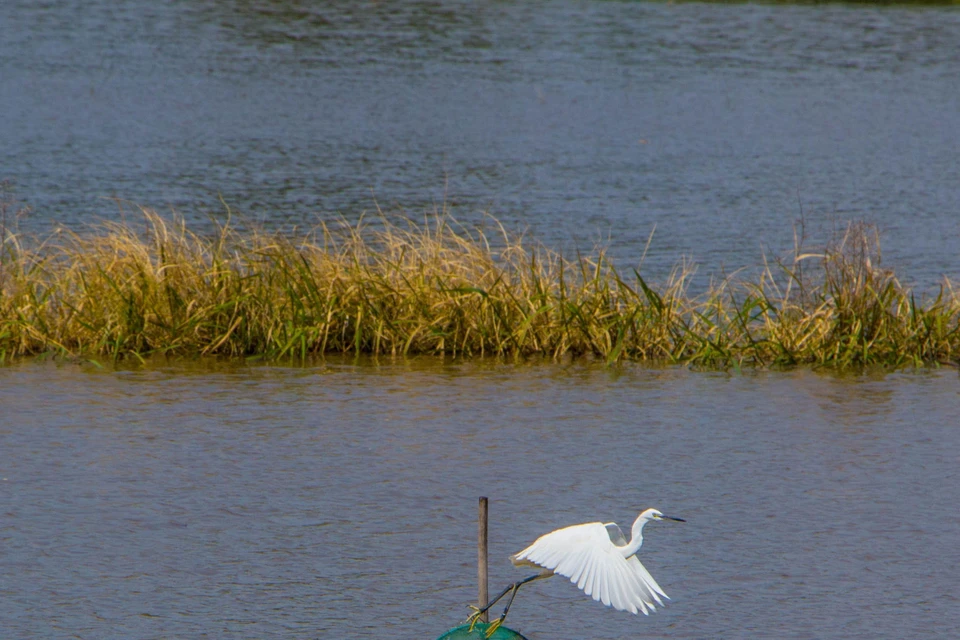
[[636, 538]]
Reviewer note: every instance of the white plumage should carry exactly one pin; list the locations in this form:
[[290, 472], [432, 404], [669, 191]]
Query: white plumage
[[595, 557], [601, 562]]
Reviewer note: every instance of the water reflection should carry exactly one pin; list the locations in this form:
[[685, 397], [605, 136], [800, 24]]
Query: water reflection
[[324, 31]]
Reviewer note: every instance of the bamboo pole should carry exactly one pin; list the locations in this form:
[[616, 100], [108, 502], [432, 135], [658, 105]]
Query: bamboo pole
[[483, 595]]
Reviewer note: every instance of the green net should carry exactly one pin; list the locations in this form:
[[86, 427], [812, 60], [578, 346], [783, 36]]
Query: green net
[[479, 633]]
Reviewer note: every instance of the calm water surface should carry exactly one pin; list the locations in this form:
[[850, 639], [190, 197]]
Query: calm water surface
[[585, 121], [339, 501]]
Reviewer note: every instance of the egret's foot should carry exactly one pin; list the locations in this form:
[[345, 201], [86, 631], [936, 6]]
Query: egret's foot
[[474, 617], [492, 629]]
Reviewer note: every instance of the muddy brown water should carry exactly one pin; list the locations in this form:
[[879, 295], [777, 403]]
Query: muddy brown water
[[339, 500], [718, 125]]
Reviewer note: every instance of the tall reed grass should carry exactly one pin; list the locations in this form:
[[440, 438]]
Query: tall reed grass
[[440, 288]]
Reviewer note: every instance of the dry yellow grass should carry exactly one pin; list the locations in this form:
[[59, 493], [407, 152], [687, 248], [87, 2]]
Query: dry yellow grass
[[439, 288]]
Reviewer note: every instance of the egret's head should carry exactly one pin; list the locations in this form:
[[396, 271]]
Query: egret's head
[[654, 514]]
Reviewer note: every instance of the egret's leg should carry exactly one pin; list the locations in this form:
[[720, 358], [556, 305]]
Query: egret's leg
[[475, 616], [513, 589]]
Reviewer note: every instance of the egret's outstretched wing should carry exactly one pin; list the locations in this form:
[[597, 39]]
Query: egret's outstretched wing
[[619, 540], [616, 535], [585, 554], [646, 579]]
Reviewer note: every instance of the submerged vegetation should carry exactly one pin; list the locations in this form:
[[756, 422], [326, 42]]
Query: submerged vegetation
[[440, 288]]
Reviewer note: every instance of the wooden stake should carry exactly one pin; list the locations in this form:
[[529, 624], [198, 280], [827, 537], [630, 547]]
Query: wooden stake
[[484, 594]]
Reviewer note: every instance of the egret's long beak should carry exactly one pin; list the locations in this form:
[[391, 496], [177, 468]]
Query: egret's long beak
[[672, 518]]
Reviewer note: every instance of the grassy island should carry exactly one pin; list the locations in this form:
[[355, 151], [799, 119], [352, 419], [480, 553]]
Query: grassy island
[[440, 288]]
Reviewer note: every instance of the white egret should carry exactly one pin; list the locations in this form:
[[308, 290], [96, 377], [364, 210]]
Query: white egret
[[598, 559]]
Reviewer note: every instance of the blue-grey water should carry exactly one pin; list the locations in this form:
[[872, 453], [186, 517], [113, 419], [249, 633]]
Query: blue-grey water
[[718, 125], [339, 501], [212, 500]]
